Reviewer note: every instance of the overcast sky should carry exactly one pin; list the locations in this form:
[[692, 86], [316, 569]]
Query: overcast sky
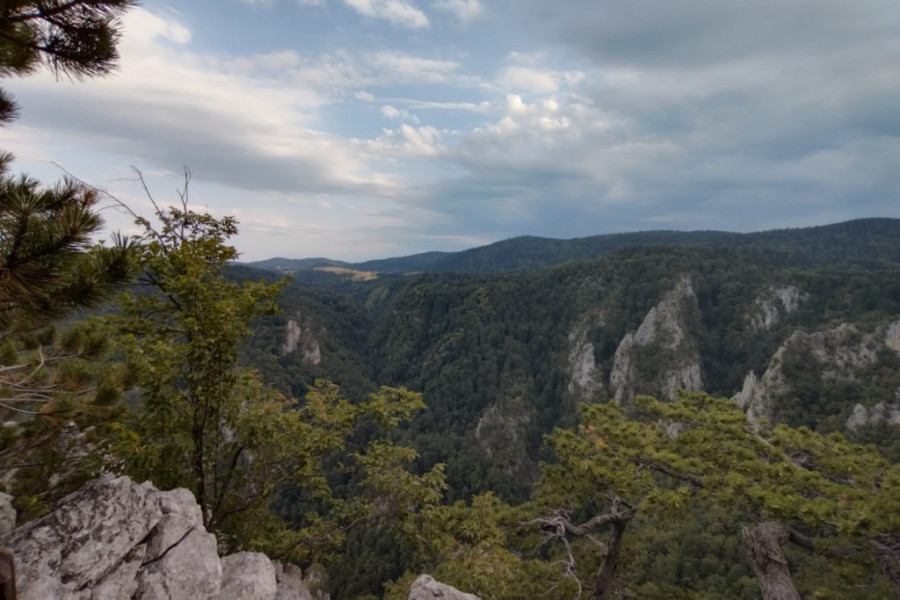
[[359, 129]]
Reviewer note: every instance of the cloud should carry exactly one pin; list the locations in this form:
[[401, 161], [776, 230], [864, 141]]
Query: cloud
[[228, 119], [697, 114], [390, 112], [529, 79], [465, 11], [397, 12], [401, 67], [700, 32]]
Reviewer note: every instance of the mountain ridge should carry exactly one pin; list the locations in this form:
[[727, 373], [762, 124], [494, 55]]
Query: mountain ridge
[[808, 246]]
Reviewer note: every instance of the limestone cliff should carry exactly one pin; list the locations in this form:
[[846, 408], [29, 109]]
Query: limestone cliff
[[837, 353], [661, 357], [772, 304], [299, 337], [585, 383], [116, 539]]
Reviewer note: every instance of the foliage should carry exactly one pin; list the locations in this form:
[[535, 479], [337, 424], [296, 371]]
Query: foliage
[[56, 391], [834, 498], [201, 421], [76, 38]]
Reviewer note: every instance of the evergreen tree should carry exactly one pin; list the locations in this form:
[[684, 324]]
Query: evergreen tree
[[53, 384], [72, 37]]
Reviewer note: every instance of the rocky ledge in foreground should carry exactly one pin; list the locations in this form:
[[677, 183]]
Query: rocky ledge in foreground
[[116, 539]]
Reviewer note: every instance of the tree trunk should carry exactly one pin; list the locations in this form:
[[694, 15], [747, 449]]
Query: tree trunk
[[604, 577], [763, 544]]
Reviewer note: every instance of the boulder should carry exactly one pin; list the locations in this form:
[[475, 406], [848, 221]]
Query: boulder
[[115, 539], [425, 587], [248, 576]]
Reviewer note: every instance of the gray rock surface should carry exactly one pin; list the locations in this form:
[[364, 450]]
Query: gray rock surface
[[425, 587], [838, 354], [248, 576], [115, 539], [7, 514], [667, 329], [772, 304], [290, 583], [83, 541], [876, 415]]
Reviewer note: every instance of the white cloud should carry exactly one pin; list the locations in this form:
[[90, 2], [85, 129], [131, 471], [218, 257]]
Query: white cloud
[[397, 12], [364, 96], [391, 112], [477, 107], [465, 11], [399, 66], [529, 79], [231, 120], [407, 142]]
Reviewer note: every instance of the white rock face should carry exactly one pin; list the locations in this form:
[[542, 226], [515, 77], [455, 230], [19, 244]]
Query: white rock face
[[880, 413], [290, 583], [114, 539], [774, 302], [298, 334], [679, 365], [586, 383], [425, 587], [248, 576], [84, 541], [837, 351], [892, 336]]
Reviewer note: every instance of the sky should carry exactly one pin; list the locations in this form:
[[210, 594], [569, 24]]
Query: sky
[[360, 129]]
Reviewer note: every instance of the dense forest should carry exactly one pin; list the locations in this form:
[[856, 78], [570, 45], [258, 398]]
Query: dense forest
[[502, 358]]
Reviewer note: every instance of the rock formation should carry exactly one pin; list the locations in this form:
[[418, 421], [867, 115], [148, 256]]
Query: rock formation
[[772, 303], [298, 336], [880, 413], [425, 587], [585, 383], [837, 352], [665, 330], [116, 539]]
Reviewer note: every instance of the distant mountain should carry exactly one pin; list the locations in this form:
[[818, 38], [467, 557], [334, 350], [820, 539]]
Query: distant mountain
[[292, 265], [862, 243], [425, 261]]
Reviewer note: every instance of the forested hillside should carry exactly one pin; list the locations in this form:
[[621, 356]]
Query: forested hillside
[[865, 243], [801, 328]]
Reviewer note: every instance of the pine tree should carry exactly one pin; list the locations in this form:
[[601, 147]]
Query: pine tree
[[72, 37], [54, 384]]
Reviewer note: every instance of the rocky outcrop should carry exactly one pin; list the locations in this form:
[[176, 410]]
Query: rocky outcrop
[[248, 576], [425, 587], [892, 336], [877, 415], [665, 332], [772, 304], [586, 382], [836, 352], [298, 337], [117, 539]]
